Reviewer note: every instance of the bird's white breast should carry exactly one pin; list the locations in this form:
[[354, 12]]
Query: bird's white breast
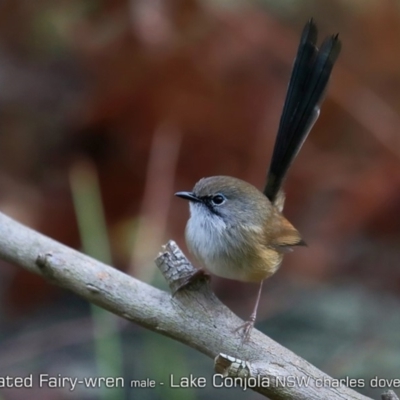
[[207, 236]]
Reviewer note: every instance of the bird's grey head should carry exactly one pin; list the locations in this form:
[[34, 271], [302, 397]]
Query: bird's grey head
[[231, 200]]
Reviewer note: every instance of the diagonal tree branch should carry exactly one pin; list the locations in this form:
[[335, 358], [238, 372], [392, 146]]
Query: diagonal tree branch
[[194, 316]]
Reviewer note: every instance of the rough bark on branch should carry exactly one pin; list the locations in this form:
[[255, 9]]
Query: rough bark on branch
[[193, 316]]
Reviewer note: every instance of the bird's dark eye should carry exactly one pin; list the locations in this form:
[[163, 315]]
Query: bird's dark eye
[[218, 199]]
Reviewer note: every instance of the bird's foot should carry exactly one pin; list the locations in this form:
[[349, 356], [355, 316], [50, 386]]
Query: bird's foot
[[245, 330]]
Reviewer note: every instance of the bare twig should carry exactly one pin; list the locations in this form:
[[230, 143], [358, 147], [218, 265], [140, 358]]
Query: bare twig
[[194, 316], [389, 395]]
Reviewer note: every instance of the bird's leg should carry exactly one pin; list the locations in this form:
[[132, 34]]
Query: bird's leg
[[248, 325]]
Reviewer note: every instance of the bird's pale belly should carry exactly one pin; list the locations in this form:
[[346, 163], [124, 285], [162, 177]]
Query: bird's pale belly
[[220, 255], [254, 269]]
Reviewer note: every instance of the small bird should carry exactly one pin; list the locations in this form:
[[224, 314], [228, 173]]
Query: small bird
[[238, 232]]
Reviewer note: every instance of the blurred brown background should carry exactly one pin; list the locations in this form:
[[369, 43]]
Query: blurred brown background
[[148, 96]]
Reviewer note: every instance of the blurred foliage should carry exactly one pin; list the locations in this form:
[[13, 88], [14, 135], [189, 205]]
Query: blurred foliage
[[157, 94], [94, 237]]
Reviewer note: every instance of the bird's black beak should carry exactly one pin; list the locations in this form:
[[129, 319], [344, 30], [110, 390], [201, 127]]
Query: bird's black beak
[[188, 196]]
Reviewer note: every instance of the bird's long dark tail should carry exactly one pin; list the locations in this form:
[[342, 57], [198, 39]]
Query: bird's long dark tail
[[311, 71]]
